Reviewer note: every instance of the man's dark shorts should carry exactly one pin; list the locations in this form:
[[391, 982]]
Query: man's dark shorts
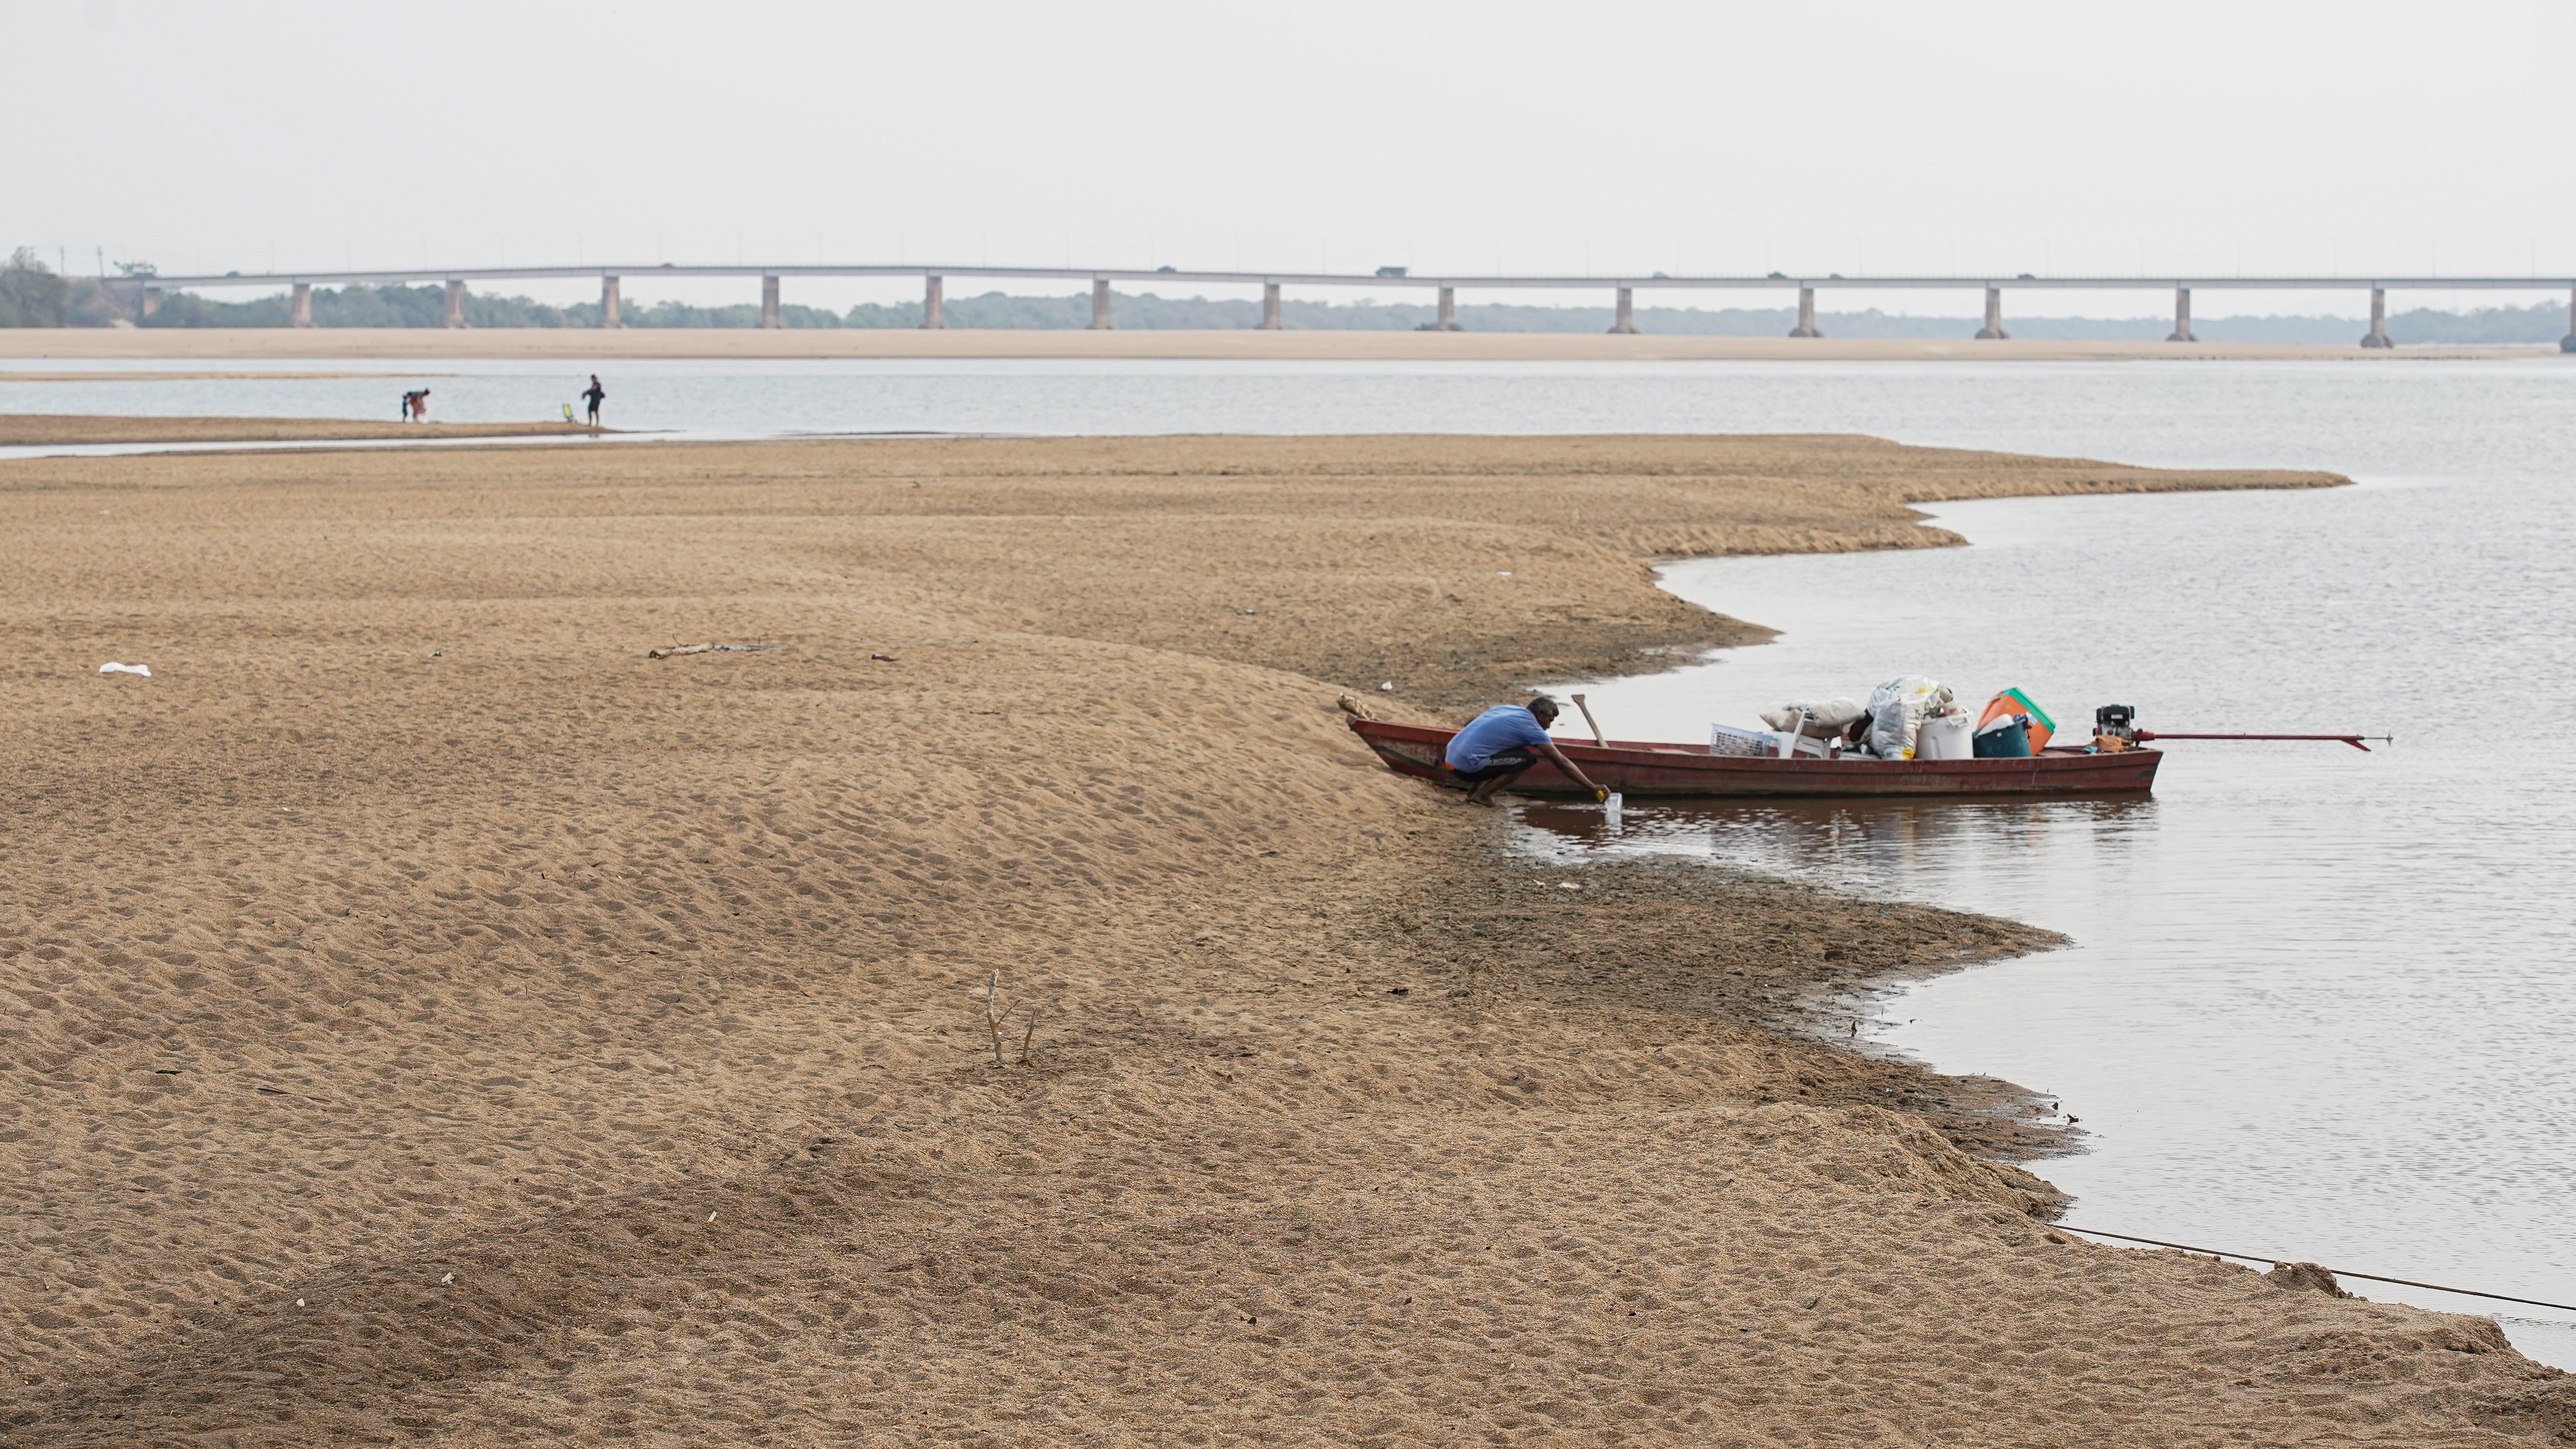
[[1509, 762]]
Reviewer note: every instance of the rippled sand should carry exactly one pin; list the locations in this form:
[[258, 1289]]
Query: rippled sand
[[434, 1020]]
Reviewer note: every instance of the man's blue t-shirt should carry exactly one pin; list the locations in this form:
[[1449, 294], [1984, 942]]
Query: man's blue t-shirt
[[1504, 727]]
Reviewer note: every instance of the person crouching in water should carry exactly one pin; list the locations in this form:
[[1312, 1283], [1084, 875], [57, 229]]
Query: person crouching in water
[[1496, 748]]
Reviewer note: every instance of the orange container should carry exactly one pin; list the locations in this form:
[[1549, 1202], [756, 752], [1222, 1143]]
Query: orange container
[[2013, 701]]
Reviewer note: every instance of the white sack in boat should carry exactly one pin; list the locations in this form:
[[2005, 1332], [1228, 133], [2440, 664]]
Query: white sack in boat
[[1896, 711], [1825, 718]]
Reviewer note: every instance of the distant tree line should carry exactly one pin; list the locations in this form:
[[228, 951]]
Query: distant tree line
[[32, 295]]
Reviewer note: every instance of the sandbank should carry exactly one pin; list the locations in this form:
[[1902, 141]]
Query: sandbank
[[236, 374], [437, 1020], [1244, 345], [34, 429]]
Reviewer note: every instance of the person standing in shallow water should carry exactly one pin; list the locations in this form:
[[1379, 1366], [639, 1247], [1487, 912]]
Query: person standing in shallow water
[[1495, 749], [594, 395]]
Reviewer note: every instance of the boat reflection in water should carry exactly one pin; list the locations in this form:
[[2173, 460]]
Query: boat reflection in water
[[1917, 849]]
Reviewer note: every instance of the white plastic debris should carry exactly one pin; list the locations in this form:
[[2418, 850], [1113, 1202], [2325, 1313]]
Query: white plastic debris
[[299, 1302], [112, 667], [1387, 688], [1896, 711], [446, 1277]]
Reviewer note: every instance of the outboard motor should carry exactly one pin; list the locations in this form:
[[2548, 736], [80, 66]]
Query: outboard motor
[[2116, 722]]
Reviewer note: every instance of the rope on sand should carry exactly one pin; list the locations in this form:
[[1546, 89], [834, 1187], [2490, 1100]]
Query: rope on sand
[[2338, 1272]]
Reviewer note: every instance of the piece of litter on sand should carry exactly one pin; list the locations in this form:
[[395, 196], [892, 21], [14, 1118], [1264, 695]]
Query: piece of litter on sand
[[1387, 688], [711, 1217], [446, 1277], [888, 658], [672, 651], [112, 667], [299, 1302]]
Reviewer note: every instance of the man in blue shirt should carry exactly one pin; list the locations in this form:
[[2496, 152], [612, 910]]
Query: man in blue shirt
[[1495, 749]]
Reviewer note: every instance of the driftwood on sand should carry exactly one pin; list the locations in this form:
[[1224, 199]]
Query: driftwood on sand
[[673, 651]]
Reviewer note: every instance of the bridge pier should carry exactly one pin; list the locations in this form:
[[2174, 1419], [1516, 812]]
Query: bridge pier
[[1627, 321], [151, 302], [1100, 320], [1448, 310], [934, 304], [299, 312], [769, 303], [2182, 316], [608, 303], [455, 302], [2568, 342], [1994, 331], [1806, 315], [1270, 307], [2378, 334]]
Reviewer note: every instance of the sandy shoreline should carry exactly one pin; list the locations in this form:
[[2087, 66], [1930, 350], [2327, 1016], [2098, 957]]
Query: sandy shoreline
[[401, 342], [594, 1044]]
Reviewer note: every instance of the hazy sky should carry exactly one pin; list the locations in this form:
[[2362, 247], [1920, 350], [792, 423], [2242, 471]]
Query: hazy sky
[[1856, 137]]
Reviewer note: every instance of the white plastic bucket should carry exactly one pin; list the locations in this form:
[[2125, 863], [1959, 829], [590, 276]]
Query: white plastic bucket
[[1946, 737]]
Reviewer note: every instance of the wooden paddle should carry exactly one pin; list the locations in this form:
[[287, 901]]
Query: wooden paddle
[[1604, 796]]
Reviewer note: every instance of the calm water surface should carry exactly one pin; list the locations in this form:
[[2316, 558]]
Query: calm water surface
[[2319, 1002]]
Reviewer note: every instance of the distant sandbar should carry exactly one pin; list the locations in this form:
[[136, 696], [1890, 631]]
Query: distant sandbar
[[954, 343], [20, 430]]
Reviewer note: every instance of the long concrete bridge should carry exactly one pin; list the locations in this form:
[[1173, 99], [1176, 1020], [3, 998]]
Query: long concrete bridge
[[300, 285]]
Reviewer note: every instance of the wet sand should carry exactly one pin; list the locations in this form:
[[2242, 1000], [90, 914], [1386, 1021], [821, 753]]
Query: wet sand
[[436, 1020], [32, 429], [1250, 345], [97, 374]]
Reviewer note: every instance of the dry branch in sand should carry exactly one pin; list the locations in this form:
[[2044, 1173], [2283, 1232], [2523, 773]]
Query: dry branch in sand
[[997, 1012]]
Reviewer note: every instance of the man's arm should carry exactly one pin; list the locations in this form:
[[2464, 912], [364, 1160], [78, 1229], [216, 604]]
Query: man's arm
[[1572, 771]]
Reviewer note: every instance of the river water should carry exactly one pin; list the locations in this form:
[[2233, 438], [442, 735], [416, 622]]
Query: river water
[[2318, 1003]]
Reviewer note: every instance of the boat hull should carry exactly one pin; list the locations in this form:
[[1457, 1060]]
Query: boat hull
[[1642, 769]]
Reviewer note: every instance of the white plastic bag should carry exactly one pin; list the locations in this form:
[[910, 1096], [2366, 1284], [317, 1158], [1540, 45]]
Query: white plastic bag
[[1896, 711]]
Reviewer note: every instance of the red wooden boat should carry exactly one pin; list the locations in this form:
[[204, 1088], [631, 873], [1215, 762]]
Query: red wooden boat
[[1634, 767]]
